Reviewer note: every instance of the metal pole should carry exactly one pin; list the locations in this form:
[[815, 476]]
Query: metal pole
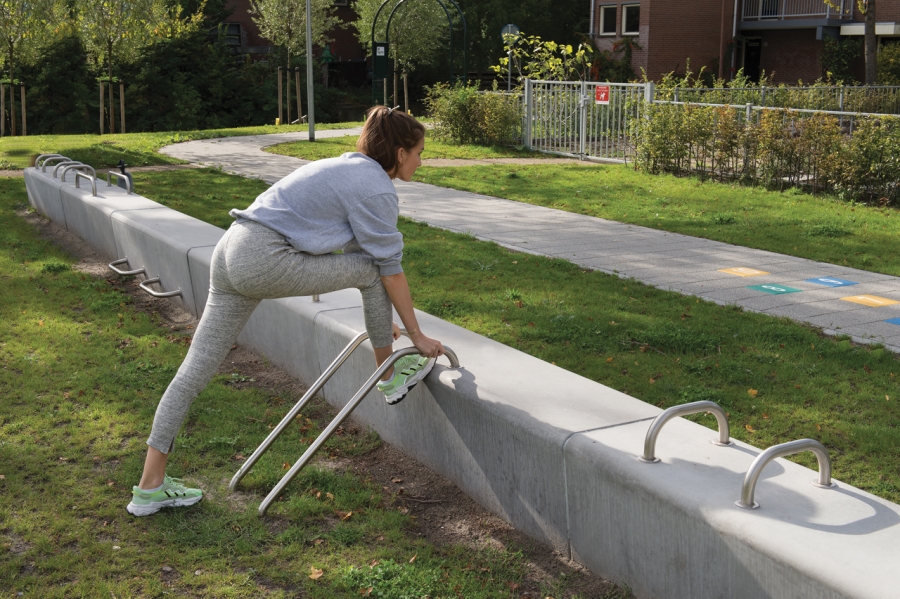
[[280, 98], [310, 102], [529, 114], [509, 70]]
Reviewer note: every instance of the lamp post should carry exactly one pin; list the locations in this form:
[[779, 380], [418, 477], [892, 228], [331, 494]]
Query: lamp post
[[310, 102], [509, 33]]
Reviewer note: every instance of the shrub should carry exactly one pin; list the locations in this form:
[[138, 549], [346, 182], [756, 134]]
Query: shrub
[[463, 114]]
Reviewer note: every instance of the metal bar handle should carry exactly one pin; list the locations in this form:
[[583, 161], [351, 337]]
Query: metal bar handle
[[119, 176], [90, 178], [779, 451], [342, 415], [286, 421], [112, 266], [683, 410], [145, 282], [47, 157], [62, 175], [62, 164]]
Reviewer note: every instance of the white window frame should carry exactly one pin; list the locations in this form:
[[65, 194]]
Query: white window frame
[[625, 8], [342, 2], [603, 9]]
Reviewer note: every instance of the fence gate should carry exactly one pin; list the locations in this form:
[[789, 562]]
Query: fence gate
[[565, 118]]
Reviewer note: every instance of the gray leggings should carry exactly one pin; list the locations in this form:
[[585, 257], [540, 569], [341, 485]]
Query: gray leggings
[[251, 263]]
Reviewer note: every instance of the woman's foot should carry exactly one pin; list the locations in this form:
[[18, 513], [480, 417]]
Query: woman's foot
[[172, 493], [408, 371]]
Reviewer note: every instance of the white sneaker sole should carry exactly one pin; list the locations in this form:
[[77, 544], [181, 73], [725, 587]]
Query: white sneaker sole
[[401, 392], [151, 508]]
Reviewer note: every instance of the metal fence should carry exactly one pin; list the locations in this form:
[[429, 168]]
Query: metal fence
[[780, 9], [563, 117], [880, 99]]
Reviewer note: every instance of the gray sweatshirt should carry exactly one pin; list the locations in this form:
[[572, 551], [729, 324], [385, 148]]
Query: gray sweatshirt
[[347, 203]]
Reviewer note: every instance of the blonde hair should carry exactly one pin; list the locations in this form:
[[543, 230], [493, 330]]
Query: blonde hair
[[387, 130]]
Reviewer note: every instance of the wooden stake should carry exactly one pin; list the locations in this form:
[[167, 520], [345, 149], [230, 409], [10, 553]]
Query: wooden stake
[[406, 91], [287, 84], [102, 108], [24, 127], [297, 87], [122, 105], [112, 109], [2, 110], [280, 112], [12, 109]]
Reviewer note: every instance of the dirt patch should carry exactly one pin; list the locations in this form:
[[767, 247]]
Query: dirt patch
[[442, 513]]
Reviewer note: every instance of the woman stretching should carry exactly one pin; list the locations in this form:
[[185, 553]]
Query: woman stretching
[[282, 246]]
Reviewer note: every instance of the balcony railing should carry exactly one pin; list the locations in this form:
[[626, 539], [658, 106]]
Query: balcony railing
[[758, 10]]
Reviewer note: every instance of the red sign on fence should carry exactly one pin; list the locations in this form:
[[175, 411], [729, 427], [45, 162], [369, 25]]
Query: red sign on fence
[[601, 94]]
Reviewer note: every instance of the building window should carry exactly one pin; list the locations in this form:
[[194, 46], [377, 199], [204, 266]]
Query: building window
[[631, 19], [342, 2], [231, 34], [608, 20]]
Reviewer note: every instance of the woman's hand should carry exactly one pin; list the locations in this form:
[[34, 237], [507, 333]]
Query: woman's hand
[[428, 347], [395, 330]]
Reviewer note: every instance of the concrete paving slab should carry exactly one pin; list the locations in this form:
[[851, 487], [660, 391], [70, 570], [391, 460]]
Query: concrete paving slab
[[878, 331], [672, 530], [851, 318]]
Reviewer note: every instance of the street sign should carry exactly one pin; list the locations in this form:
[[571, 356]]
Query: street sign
[[381, 67], [601, 94]]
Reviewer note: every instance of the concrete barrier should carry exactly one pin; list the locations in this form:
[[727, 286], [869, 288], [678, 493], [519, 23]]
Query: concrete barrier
[[556, 454]]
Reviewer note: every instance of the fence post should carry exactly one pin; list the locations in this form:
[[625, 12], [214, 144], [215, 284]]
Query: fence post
[[582, 126], [122, 105], [676, 94], [529, 112], [649, 92], [24, 126], [280, 99], [2, 110], [841, 100], [762, 96], [749, 111], [102, 108]]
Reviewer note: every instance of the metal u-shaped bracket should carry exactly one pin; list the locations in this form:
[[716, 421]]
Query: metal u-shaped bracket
[[342, 415], [682, 410], [779, 451]]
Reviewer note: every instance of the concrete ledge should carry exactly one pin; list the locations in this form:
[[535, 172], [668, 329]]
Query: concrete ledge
[[43, 194], [551, 452]]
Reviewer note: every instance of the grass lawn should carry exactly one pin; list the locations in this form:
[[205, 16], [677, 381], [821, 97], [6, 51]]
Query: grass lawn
[[328, 148], [82, 372], [779, 380], [137, 149]]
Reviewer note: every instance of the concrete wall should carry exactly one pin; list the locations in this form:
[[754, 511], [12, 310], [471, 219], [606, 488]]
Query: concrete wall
[[551, 452]]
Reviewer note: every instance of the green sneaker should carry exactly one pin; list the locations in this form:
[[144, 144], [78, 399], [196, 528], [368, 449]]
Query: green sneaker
[[408, 371], [171, 494]]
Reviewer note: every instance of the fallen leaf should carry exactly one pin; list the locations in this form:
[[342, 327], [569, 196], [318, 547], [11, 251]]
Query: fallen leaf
[[765, 416], [413, 558], [285, 466], [2, 477], [347, 516], [752, 392], [749, 428], [818, 428], [315, 573], [40, 323], [318, 542], [366, 592], [608, 360], [373, 563], [887, 398], [329, 496], [240, 457], [652, 381], [397, 480], [796, 386], [403, 509]]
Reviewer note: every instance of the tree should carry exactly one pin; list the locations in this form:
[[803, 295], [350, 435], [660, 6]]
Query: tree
[[418, 31], [867, 8], [534, 58]]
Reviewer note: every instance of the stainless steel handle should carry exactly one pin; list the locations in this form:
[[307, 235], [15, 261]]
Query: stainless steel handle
[[128, 185], [682, 410], [62, 164], [145, 282], [316, 299], [779, 451], [112, 266], [90, 178], [46, 158], [62, 175], [342, 415]]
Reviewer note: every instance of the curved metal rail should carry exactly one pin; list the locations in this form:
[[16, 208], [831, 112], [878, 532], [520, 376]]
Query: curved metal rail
[[143, 285], [778, 451], [46, 158], [112, 266], [129, 186], [682, 410], [62, 164], [342, 415], [62, 175], [90, 178]]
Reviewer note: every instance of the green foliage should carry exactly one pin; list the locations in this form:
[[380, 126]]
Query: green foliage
[[419, 30], [61, 94], [838, 57], [534, 58], [889, 64], [463, 114]]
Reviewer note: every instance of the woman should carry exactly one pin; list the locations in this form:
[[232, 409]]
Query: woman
[[283, 245]]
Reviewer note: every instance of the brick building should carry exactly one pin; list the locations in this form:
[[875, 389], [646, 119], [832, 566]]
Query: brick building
[[349, 64], [783, 38]]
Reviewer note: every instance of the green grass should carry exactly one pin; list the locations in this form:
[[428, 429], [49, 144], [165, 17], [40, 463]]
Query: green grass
[[137, 149], [81, 371], [328, 148], [793, 223], [779, 380]]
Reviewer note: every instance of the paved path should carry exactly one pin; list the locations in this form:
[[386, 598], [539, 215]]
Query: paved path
[[688, 265]]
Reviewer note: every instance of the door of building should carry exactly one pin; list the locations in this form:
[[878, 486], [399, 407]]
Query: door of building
[[752, 58]]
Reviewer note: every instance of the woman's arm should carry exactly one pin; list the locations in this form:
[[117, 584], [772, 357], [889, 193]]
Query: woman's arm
[[398, 290]]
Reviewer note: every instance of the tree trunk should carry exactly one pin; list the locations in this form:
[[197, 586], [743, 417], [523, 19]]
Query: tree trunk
[[112, 112], [287, 83], [12, 95], [871, 44]]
